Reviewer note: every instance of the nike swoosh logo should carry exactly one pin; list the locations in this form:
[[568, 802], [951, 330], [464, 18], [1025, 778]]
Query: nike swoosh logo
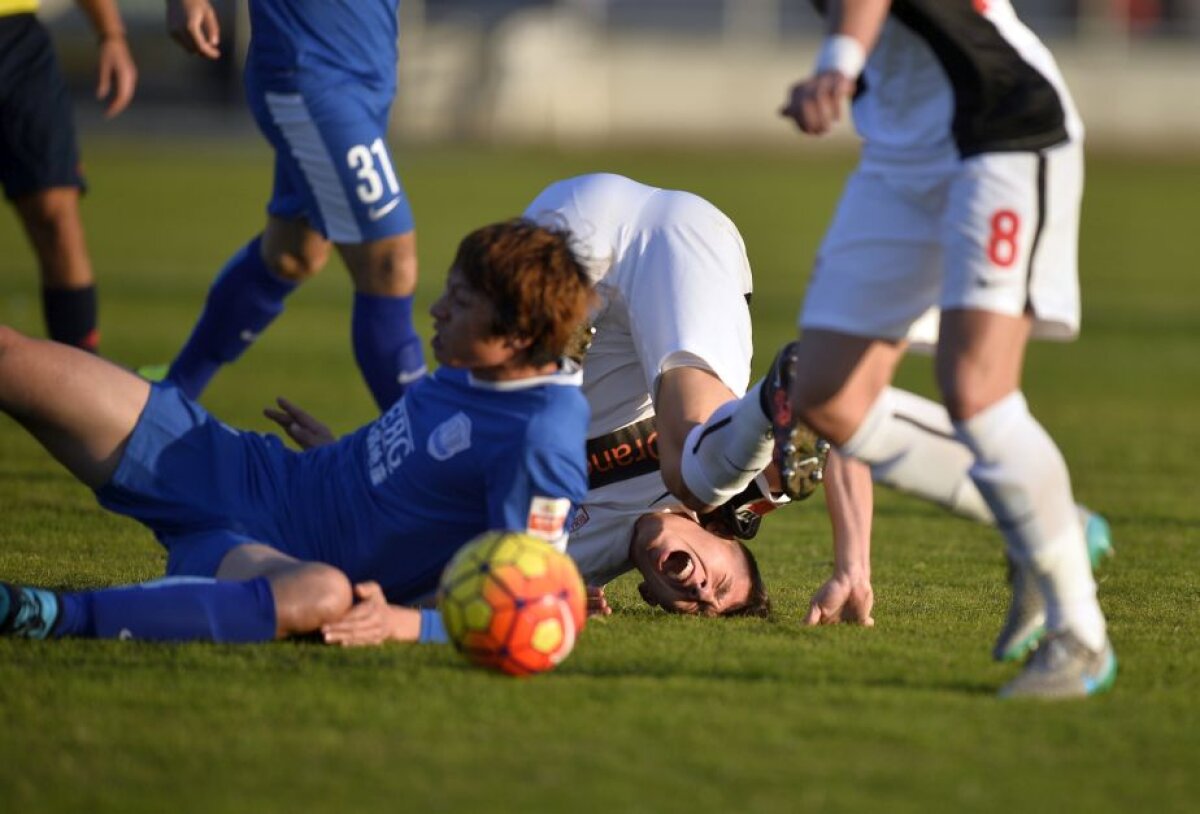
[[405, 377], [377, 212]]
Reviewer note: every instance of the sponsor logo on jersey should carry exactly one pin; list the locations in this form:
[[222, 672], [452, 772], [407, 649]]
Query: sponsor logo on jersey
[[451, 437], [622, 454], [389, 442], [548, 516]]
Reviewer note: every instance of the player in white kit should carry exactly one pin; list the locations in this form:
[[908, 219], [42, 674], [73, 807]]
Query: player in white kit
[[966, 199], [671, 349]]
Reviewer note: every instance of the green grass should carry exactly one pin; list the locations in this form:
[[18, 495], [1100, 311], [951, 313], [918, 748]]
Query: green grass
[[651, 713]]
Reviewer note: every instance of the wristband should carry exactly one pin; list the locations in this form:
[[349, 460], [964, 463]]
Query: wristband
[[841, 53], [433, 631]]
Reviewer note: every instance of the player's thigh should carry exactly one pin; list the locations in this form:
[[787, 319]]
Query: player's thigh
[[333, 163], [1011, 235], [879, 265], [38, 148], [80, 407], [838, 377]]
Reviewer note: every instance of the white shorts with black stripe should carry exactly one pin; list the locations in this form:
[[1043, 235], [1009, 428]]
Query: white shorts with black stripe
[[996, 232]]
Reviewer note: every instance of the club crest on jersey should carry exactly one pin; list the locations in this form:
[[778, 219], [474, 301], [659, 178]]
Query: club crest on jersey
[[450, 437], [547, 516]]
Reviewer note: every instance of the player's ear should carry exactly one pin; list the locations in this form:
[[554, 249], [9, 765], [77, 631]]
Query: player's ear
[[518, 343]]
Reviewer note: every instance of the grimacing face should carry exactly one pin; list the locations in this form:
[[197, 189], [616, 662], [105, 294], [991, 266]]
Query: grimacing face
[[686, 569]]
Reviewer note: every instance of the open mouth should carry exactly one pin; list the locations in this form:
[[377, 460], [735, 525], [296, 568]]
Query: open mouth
[[677, 566]]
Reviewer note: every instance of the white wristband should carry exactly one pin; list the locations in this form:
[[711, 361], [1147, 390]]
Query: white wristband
[[841, 53]]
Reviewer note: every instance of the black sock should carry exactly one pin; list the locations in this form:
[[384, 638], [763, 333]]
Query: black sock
[[71, 316]]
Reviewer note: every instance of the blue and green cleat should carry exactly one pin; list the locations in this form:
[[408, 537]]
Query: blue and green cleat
[[1025, 624], [27, 613], [1064, 667]]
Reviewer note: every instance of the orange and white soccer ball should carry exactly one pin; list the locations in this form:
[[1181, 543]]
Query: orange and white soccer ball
[[512, 602]]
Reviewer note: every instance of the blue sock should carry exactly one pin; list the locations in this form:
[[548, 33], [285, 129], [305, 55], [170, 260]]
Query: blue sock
[[176, 609], [243, 300], [386, 346]]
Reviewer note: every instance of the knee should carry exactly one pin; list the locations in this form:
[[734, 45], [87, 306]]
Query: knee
[[9, 338], [388, 269], [310, 596], [298, 262], [831, 419], [49, 209], [965, 392]]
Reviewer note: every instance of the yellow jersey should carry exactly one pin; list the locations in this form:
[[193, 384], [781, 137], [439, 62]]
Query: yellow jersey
[[8, 7]]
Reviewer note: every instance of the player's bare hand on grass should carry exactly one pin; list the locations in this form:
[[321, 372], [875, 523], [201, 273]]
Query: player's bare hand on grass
[[117, 75], [597, 603], [371, 620], [299, 425], [842, 599], [815, 104], [194, 25]]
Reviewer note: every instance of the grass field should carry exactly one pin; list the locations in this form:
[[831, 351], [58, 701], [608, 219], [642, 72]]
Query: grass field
[[651, 713]]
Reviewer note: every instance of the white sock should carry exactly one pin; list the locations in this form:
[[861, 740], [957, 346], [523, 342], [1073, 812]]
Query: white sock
[[1024, 479], [722, 455], [910, 445]]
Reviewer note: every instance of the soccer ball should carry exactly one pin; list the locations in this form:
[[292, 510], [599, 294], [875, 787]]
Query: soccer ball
[[512, 602]]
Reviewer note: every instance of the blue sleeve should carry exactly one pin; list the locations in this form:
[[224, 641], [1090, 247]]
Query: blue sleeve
[[536, 489]]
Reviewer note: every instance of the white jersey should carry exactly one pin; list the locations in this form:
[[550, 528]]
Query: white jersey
[[673, 282], [947, 80]]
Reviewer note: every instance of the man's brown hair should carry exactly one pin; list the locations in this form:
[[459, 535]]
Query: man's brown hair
[[533, 279], [757, 603]]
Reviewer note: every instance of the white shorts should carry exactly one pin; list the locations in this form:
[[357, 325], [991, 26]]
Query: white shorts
[[997, 232]]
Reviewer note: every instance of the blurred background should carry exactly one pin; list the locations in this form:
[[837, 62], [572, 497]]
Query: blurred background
[[591, 72]]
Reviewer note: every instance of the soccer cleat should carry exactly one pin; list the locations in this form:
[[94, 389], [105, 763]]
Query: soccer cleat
[[1025, 623], [27, 613], [799, 453], [1098, 535], [1064, 667]]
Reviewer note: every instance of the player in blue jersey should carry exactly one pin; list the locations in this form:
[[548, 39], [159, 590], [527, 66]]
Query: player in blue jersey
[[263, 541], [320, 77]]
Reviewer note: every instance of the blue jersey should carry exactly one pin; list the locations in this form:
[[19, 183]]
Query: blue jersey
[[391, 502], [452, 458], [326, 39]]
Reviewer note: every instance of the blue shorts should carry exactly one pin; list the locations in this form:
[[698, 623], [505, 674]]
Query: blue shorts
[[201, 486], [37, 133], [332, 163]]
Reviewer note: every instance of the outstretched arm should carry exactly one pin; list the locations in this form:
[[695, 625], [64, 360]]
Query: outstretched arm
[[847, 595], [816, 103], [117, 74]]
